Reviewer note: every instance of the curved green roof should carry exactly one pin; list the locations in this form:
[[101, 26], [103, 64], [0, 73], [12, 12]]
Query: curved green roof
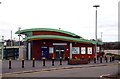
[[44, 29], [64, 38]]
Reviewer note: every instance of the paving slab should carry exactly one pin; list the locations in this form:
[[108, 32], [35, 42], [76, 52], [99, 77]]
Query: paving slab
[[17, 68]]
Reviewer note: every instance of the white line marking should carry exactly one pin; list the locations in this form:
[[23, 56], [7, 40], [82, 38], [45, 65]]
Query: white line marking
[[104, 75]]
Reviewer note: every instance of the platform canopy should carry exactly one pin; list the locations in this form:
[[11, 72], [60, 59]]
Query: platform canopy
[[26, 31], [75, 37], [64, 38]]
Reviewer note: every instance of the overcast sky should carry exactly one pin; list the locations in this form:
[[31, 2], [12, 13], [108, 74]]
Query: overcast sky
[[77, 16]]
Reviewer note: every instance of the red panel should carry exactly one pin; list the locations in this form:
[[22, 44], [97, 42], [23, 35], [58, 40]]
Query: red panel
[[50, 56], [49, 33], [80, 56], [67, 50], [37, 44], [86, 56], [36, 50]]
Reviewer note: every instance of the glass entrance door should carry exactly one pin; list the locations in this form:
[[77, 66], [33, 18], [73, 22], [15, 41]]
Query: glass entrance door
[[59, 52]]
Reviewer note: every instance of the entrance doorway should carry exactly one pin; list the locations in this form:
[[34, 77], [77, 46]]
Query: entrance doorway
[[45, 52], [60, 51]]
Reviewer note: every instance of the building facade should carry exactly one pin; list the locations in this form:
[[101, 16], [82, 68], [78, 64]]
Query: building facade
[[48, 43]]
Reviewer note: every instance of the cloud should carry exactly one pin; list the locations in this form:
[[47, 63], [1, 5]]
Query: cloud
[[77, 16]]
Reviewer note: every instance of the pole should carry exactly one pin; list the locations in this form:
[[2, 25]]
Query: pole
[[101, 45], [22, 63], [33, 62], [68, 60], [89, 59], [94, 59], [52, 61], [9, 63], [101, 35], [44, 61], [110, 59], [60, 60], [96, 28], [2, 48], [96, 34], [106, 59], [100, 59], [19, 38], [19, 35], [11, 37]]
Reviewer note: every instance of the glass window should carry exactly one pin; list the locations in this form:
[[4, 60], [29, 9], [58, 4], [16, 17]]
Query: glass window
[[51, 49], [97, 49], [75, 50], [83, 50], [89, 50]]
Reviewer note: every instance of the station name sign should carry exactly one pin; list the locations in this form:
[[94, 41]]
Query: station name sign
[[59, 43]]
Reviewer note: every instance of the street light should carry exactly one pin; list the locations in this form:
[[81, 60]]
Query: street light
[[101, 36], [101, 41], [2, 48], [96, 27], [19, 35]]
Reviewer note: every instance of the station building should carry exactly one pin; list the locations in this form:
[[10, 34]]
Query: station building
[[48, 43]]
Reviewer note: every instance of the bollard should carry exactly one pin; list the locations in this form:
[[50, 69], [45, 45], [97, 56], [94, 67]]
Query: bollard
[[100, 59], [43, 61], [9, 63], [60, 60], [33, 62], [110, 58], [22, 63], [68, 60], [106, 59], [113, 58], [95, 59], [89, 59], [52, 61]]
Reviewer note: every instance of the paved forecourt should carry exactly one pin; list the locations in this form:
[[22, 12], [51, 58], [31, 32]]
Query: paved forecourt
[[16, 65]]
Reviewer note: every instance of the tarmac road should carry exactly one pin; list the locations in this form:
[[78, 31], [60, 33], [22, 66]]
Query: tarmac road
[[16, 65], [96, 71]]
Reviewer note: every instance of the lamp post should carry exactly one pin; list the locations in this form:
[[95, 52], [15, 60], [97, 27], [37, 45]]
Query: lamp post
[[101, 41], [11, 38], [2, 48], [19, 39], [101, 36], [96, 6], [19, 35]]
